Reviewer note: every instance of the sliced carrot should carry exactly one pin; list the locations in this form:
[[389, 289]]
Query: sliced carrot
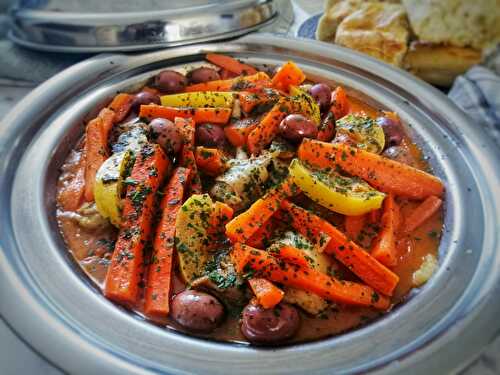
[[258, 80], [96, 148], [374, 216], [422, 213], [226, 74], [210, 160], [250, 100], [384, 174], [289, 254], [340, 103], [384, 248], [199, 115], [268, 295], [243, 226], [360, 262], [261, 238], [306, 278], [354, 225], [221, 215], [159, 281], [237, 131], [268, 127], [121, 105], [70, 198], [108, 117], [230, 63], [187, 158], [124, 273], [288, 75]]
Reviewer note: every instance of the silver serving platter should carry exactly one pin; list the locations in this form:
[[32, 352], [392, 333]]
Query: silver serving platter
[[77, 26], [49, 302]]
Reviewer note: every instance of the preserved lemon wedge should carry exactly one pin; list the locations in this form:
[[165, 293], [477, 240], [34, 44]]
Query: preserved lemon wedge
[[345, 195], [191, 235], [109, 185], [306, 104], [199, 99]]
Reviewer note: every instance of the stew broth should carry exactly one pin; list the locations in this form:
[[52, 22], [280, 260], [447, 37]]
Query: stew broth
[[92, 246]]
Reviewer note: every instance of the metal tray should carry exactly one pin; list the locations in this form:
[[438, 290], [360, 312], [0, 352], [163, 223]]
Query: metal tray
[[51, 304], [127, 25]]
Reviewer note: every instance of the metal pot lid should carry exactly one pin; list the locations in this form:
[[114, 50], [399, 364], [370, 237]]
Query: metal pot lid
[[49, 302], [130, 25]]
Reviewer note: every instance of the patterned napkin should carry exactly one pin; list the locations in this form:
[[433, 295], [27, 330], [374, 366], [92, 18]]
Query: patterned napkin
[[477, 92]]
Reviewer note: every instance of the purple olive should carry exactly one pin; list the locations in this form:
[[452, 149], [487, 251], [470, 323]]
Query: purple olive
[[143, 98], [203, 74], [294, 128], [268, 326], [166, 134], [322, 94], [170, 81], [327, 128], [210, 135], [197, 311], [393, 131]]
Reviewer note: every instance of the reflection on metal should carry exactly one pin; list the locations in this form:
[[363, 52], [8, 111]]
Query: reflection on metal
[[113, 25]]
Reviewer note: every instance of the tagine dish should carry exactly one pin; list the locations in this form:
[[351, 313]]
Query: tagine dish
[[249, 204]]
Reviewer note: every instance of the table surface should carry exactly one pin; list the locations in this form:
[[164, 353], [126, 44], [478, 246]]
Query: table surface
[[16, 357]]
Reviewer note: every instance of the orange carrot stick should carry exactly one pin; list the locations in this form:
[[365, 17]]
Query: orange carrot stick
[[289, 254], [384, 248], [221, 215], [210, 160], [237, 132], [121, 105], [340, 103], [70, 198], [250, 100], [230, 63], [354, 225], [307, 279], [255, 81], [288, 75], [384, 174], [226, 74], [361, 263], [199, 115], [187, 158], [96, 148], [159, 282], [124, 273], [261, 238], [268, 128], [268, 295], [423, 212], [243, 226]]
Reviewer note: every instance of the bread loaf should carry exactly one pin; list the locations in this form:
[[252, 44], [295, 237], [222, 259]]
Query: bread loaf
[[461, 23], [377, 29]]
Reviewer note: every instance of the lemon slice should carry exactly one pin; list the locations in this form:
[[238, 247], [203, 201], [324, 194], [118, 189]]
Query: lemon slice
[[192, 243], [109, 185], [345, 195]]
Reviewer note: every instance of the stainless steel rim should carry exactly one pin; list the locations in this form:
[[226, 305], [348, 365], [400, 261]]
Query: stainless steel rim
[[63, 316]]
